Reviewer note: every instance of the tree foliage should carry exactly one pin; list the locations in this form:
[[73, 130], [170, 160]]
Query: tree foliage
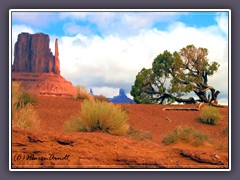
[[174, 75]]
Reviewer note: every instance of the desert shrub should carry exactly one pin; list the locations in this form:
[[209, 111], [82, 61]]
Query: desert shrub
[[210, 115], [101, 98], [25, 118], [82, 93], [185, 134], [24, 115], [139, 135], [100, 116], [73, 124], [25, 99], [15, 94]]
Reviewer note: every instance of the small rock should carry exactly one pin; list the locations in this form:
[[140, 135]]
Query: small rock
[[216, 156]]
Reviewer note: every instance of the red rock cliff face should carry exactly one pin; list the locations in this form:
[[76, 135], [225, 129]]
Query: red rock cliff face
[[32, 54], [36, 69]]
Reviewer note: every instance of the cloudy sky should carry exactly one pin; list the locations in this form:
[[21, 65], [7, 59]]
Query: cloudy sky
[[105, 50]]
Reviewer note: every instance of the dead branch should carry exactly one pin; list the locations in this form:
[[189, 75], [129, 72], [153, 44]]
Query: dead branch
[[180, 109], [200, 105], [217, 105], [214, 103], [168, 119]]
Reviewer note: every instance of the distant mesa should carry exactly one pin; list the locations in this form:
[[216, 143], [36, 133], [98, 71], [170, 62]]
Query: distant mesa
[[36, 68], [91, 91], [121, 98]]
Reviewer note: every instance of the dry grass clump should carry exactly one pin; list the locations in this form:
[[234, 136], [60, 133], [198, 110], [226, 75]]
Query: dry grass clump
[[82, 94], [74, 124], [99, 116], [25, 118], [185, 134], [210, 115], [24, 115], [139, 135]]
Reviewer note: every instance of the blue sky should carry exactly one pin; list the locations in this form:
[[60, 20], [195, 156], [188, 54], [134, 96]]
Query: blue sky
[[86, 22], [105, 50]]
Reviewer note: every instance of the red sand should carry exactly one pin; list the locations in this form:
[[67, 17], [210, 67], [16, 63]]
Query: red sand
[[33, 149]]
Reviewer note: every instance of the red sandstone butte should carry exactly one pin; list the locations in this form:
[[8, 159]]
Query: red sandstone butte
[[36, 68]]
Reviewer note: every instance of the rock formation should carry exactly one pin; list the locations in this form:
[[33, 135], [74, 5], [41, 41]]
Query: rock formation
[[36, 68], [32, 54], [56, 68], [121, 98]]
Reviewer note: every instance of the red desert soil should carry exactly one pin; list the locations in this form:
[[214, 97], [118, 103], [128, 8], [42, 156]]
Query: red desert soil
[[51, 147]]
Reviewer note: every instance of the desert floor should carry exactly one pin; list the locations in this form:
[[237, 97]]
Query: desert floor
[[51, 147]]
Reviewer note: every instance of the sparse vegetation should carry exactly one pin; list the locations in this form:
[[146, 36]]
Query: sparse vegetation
[[74, 124], [25, 99], [25, 118], [139, 135], [224, 132], [125, 108], [99, 116], [185, 134], [101, 98], [24, 115], [210, 115], [82, 93]]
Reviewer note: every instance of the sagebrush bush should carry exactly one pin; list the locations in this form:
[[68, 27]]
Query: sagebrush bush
[[74, 124], [24, 115], [82, 93], [101, 98], [25, 118], [139, 135], [99, 116], [25, 99], [210, 115], [185, 134]]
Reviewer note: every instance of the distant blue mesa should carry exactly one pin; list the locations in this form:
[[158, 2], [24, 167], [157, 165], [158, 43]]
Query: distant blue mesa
[[120, 99]]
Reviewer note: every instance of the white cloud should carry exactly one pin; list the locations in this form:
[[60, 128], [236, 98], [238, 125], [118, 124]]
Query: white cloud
[[222, 20], [223, 101], [73, 15], [105, 91], [120, 23], [114, 61], [72, 28]]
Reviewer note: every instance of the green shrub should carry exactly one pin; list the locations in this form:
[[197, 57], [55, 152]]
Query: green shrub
[[99, 116], [101, 98], [210, 115], [82, 93], [139, 135], [25, 99], [185, 134], [24, 115]]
